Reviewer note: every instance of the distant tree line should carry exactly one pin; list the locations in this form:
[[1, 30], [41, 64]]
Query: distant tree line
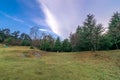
[[48, 43], [90, 36], [14, 38]]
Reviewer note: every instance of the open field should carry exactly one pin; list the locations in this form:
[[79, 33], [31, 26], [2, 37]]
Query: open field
[[102, 65]]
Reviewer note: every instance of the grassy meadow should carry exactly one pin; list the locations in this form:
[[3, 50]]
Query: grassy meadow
[[19, 63]]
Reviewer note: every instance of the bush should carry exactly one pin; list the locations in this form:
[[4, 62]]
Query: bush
[[25, 43], [8, 40], [31, 47]]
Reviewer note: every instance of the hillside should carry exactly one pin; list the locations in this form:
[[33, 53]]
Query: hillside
[[21, 63]]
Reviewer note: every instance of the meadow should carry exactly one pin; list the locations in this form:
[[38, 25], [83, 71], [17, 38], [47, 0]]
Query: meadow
[[20, 63]]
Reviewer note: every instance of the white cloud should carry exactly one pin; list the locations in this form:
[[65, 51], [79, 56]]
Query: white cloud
[[11, 17], [15, 19], [39, 21], [62, 15], [50, 19], [44, 30]]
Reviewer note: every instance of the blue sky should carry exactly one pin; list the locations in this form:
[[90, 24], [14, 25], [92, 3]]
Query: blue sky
[[58, 16]]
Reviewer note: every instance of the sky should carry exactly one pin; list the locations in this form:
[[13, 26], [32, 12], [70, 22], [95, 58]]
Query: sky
[[58, 16]]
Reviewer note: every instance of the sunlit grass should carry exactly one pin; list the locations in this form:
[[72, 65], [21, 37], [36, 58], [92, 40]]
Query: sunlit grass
[[59, 66]]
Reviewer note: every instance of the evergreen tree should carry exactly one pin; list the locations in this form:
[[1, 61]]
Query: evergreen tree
[[66, 46], [26, 40], [57, 45], [114, 30], [47, 43], [88, 35]]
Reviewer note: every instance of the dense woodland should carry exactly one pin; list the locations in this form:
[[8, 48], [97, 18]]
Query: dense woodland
[[89, 36]]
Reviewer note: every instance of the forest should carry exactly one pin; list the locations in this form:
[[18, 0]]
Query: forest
[[90, 36]]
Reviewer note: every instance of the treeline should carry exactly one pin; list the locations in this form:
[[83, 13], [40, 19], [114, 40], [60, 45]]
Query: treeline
[[44, 42], [48, 43], [14, 38], [90, 36]]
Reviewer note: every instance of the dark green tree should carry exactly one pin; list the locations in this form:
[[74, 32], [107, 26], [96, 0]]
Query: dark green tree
[[26, 40], [114, 30], [47, 43], [66, 46], [16, 34], [87, 37], [105, 42], [57, 45]]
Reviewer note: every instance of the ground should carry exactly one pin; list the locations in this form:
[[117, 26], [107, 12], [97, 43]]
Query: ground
[[20, 63]]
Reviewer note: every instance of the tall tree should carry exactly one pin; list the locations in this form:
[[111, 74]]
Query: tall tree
[[6, 32], [114, 29], [2, 36], [89, 26], [57, 45], [16, 34], [26, 40], [88, 35], [34, 32], [97, 36], [47, 43], [66, 46], [74, 41]]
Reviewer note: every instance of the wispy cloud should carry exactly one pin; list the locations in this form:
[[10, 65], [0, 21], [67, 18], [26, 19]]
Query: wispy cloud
[[43, 30], [11, 17], [15, 19], [51, 20], [39, 21], [61, 15]]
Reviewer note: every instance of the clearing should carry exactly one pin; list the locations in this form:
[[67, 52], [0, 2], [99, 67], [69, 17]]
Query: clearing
[[21, 63]]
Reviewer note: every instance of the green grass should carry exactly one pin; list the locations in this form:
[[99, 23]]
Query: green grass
[[59, 66]]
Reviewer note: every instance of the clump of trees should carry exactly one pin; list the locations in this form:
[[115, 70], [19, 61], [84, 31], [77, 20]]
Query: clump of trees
[[90, 36], [48, 43], [14, 38], [87, 37]]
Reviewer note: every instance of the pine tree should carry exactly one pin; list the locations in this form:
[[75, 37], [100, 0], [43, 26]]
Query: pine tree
[[66, 46], [114, 29], [57, 45]]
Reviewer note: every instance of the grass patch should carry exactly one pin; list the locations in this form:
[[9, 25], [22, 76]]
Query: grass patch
[[102, 65]]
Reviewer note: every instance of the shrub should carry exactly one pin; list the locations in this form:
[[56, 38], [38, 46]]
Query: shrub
[[31, 47]]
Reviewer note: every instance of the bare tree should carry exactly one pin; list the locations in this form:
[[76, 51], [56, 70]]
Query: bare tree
[[34, 32]]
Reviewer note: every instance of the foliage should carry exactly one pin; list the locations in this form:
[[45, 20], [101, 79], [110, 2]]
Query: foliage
[[34, 32], [14, 38], [105, 42], [66, 46], [47, 43], [31, 47], [90, 36], [114, 30], [57, 45]]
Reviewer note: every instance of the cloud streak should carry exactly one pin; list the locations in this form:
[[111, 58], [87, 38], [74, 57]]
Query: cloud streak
[[11, 17], [50, 19], [16, 19], [62, 15]]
